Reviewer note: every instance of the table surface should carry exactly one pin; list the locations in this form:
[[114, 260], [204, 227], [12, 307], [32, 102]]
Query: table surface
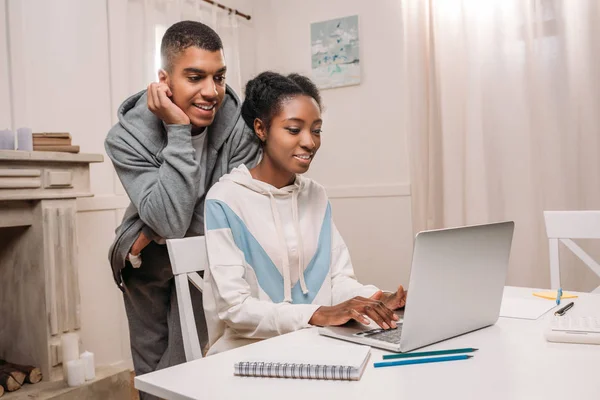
[[514, 361]]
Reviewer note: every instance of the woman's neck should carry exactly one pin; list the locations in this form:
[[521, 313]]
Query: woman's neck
[[266, 172]]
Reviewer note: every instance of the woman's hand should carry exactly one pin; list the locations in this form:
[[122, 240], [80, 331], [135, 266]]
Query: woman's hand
[[356, 309], [396, 300]]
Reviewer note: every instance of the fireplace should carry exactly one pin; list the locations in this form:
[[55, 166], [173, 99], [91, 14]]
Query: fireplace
[[39, 291]]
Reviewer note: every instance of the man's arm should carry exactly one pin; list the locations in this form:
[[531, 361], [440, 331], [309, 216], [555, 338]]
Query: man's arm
[[164, 196]]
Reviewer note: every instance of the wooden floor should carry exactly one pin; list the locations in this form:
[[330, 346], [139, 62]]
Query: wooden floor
[[134, 393]]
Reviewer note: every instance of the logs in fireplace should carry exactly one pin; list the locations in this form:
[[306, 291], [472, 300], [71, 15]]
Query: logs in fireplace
[[13, 376]]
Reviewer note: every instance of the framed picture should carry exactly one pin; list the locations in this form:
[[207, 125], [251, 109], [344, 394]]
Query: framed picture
[[335, 52]]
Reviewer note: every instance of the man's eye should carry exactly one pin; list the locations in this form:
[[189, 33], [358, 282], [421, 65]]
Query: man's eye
[[220, 78], [194, 78]]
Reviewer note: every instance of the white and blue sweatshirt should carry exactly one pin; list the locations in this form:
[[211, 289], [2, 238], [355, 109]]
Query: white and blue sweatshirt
[[275, 256]]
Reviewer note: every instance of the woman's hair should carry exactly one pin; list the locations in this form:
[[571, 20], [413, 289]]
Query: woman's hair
[[266, 92]]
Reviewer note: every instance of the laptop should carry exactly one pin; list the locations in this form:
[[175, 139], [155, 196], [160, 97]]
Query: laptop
[[456, 284]]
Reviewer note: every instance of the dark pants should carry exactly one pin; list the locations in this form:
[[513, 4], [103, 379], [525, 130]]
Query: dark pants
[[151, 306]]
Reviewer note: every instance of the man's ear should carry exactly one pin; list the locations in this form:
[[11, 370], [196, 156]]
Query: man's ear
[[163, 76], [260, 129]]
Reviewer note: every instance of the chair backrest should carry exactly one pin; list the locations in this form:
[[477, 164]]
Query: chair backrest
[[562, 226], [188, 256]]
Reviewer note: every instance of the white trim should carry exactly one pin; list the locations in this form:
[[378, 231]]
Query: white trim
[[117, 201], [344, 192], [123, 364], [102, 203]]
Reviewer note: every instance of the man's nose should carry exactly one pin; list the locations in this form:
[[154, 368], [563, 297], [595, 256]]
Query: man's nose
[[209, 91]]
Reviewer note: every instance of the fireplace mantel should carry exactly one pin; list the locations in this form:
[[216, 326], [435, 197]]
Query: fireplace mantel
[[39, 290]]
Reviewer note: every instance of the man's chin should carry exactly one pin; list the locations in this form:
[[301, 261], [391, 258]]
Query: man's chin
[[201, 123]]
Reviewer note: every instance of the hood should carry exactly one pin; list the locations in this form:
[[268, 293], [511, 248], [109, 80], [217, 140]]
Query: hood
[[135, 117], [241, 176]]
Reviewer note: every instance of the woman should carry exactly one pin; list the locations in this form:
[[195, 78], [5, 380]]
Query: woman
[[277, 261]]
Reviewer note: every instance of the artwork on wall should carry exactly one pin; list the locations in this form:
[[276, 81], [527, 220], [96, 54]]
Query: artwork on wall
[[334, 51]]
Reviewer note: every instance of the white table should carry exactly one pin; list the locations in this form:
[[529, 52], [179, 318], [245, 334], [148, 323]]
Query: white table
[[514, 362]]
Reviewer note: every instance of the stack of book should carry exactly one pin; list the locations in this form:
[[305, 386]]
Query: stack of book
[[54, 141]]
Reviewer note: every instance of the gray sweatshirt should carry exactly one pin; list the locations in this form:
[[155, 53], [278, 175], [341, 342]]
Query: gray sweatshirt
[[166, 185]]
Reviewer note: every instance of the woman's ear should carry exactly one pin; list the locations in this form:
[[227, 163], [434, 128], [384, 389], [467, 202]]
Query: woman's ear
[[260, 129]]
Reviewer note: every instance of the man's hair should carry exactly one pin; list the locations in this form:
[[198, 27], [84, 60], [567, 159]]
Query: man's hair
[[186, 34], [266, 93]]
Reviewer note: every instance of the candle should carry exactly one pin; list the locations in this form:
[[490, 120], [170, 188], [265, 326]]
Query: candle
[[7, 140], [88, 362], [69, 349], [75, 373], [24, 139]]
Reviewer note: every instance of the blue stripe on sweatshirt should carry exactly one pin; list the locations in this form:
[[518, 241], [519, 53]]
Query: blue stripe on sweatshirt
[[218, 215]]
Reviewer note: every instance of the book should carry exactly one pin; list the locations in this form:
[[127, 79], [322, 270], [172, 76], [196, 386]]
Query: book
[[64, 149], [66, 135], [51, 141], [331, 362]]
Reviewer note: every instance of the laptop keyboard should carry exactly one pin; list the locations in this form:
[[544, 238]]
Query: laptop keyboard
[[385, 335]]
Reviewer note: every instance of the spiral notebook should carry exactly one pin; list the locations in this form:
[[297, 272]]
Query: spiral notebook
[[331, 362]]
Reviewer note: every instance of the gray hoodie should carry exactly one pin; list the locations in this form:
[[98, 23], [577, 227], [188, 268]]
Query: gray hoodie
[[165, 183]]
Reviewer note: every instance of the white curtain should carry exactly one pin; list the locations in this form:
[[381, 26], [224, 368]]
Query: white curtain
[[147, 21], [503, 119]]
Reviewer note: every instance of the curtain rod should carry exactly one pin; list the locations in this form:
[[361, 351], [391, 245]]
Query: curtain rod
[[231, 10]]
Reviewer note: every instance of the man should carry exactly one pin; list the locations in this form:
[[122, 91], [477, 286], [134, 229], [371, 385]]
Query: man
[[172, 143]]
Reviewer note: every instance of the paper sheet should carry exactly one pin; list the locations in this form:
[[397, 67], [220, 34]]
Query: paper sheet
[[525, 308], [551, 295]]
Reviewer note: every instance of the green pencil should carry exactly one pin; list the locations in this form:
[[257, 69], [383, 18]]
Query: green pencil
[[429, 353]]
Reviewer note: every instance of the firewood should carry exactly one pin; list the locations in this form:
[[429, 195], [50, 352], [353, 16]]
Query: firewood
[[18, 375], [8, 382], [32, 374]]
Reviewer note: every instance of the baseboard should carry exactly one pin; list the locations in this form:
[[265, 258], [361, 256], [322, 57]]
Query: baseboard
[[125, 364]]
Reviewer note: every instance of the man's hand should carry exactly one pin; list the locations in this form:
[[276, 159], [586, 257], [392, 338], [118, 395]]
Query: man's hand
[[356, 309], [163, 107], [395, 300], [139, 244]]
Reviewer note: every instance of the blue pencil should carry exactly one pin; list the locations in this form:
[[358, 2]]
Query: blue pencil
[[420, 361]]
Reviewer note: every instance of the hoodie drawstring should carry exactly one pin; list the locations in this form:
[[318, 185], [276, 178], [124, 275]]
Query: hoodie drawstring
[[300, 244], [287, 284]]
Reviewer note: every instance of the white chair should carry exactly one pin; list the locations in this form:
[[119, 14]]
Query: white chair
[[188, 255], [562, 226]]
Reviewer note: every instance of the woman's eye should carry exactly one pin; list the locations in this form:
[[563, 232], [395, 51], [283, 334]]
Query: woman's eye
[[294, 131], [317, 131]]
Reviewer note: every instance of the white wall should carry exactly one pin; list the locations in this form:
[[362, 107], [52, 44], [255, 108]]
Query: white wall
[[70, 68], [59, 69], [5, 106], [67, 62], [363, 158]]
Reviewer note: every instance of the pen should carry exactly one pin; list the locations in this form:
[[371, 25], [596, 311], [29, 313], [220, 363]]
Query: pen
[[558, 295], [428, 353], [563, 310], [420, 361]]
